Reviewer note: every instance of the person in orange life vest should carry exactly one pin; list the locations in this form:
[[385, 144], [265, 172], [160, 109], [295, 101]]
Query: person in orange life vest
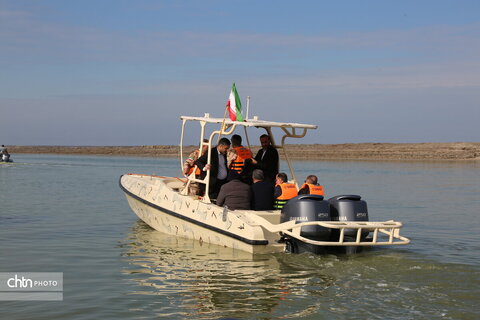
[[189, 163], [188, 167], [283, 191], [311, 186], [240, 158]]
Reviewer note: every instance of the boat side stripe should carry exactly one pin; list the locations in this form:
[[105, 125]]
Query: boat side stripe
[[204, 225]]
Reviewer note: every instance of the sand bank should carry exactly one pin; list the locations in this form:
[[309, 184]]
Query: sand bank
[[351, 151]]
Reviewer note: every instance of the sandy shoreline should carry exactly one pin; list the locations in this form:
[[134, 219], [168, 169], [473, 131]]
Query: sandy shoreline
[[351, 151]]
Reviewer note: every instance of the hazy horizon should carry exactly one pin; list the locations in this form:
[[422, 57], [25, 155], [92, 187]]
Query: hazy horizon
[[252, 144]]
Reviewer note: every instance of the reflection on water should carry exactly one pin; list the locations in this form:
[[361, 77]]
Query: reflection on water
[[210, 282], [214, 279]]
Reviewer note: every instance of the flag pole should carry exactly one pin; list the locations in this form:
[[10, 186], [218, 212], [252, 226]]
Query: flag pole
[[246, 119], [225, 115], [223, 124]]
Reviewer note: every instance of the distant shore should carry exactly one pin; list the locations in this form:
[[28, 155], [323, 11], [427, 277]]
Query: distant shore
[[350, 151]]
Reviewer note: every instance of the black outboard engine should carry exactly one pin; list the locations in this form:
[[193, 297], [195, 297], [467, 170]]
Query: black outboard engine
[[348, 208], [307, 208]]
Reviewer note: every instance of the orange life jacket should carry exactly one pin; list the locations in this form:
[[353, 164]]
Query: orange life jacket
[[242, 154], [314, 189], [190, 170], [197, 172], [289, 191]]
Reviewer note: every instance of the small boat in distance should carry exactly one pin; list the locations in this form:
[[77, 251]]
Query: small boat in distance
[[307, 223], [4, 155]]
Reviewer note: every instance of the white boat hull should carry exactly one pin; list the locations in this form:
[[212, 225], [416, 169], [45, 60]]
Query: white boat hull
[[157, 201]]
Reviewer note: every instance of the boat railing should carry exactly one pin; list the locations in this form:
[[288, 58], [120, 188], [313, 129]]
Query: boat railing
[[227, 127], [383, 233]]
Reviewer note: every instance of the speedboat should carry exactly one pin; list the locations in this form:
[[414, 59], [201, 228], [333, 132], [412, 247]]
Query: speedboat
[[307, 223]]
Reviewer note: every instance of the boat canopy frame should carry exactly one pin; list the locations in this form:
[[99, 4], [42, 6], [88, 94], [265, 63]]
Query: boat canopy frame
[[227, 127]]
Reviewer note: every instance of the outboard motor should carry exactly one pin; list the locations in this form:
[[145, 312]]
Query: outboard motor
[[307, 208], [348, 208]]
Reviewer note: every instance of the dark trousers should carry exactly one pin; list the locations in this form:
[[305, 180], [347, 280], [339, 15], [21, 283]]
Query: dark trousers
[[215, 189]]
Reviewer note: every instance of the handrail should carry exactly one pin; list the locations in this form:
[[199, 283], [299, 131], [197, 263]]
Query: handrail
[[291, 134], [292, 228], [390, 228], [181, 143], [227, 128]]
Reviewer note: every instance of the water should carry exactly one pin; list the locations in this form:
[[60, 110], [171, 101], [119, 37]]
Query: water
[[67, 214]]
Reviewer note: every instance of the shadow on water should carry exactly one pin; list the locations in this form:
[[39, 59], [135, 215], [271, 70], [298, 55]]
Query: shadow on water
[[212, 282]]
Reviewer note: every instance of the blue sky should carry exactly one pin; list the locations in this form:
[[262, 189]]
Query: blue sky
[[111, 72]]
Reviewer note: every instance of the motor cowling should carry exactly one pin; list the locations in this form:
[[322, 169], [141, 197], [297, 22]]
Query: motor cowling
[[307, 208], [348, 208]]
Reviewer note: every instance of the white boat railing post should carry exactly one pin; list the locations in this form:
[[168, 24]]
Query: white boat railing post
[[291, 134], [209, 160], [181, 143], [185, 190], [206, 181]]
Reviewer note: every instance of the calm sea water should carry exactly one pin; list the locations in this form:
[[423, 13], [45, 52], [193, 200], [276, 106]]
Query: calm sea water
[[67, 214]]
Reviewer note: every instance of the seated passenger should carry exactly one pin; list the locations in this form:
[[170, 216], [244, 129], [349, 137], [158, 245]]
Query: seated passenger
[[262, 192], [189, 166], [189, 163], [234, 194], [311, 186], [284, 191]]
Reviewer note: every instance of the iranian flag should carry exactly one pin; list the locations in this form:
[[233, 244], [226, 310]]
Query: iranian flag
[[234, 105]]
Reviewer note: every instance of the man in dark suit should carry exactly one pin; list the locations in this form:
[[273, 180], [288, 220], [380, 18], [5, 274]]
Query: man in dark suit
[[267, 159], [218, 167], [262, 192]]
